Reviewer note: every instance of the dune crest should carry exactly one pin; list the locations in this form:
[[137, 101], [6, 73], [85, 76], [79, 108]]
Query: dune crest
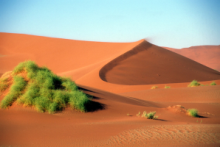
[[149, 64]]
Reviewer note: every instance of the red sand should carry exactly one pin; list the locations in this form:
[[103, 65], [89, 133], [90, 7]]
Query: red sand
[[207, 55], [150, 64], [116, 124]]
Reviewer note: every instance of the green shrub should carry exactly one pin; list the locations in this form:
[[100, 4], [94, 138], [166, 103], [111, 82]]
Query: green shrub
[[154, 87], [194, 83], [192, 112], [167, 87], [69, 85], [139, 113], [78, 100], [15, 91], [45, 91], [19, 68], [213, 83], [3, 84], [150, 115]]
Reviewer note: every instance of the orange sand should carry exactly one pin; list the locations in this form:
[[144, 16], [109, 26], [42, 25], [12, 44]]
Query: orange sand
[[120, 77]]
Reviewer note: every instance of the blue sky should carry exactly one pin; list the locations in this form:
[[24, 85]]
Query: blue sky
[[171, 23]]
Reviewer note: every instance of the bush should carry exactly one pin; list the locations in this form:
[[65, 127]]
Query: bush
[[78, 100], [213, 83], [3, 84], [15, 91], [150, 115], [167, 87], [69, 85], [192, 112], [45, 91], [154, 87], [194, 83], [139, 113]]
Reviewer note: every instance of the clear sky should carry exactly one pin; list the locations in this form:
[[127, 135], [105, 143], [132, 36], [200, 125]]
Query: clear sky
[[171, 23]]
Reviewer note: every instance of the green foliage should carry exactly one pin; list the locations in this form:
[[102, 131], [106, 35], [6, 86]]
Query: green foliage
[[15, 92], [213, 83], [150, 115], [69, 85], [78, 100], [194, 83], [3, 84], [19, 68], [154, 87], [192, 112], [139, 113], [167, 87], [28, 66], [45, 91]]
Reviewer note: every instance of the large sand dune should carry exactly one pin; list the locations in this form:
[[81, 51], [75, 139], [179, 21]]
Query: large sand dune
[[120, 77], [150, 64]]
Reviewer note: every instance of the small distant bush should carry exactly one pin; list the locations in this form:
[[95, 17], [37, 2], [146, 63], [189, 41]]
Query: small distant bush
[[192, 112], [154, 87], [213, 83], [150, 115], [44, 90], [167, 87], [139, 113], [194, 83]]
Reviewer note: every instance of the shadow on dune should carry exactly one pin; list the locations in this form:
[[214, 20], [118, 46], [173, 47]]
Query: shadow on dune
[[160, 119], [200, 116], [94, 106], [99, 94]]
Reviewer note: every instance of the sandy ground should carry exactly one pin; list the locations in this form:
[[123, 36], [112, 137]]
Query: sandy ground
[[120, 77]]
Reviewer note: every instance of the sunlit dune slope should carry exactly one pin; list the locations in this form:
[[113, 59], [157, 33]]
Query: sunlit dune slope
[[207, 55], [149, 64], [62, 56]]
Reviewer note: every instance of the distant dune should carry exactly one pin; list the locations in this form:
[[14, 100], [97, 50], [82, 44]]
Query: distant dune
[[207, 55]]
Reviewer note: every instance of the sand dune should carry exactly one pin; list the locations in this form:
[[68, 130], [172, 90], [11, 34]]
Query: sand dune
[[119, 76], [60, 55], [207, 55], [150, 64]]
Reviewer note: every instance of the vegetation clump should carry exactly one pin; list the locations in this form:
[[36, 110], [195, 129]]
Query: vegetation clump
[[150, 115], [194, 83], [3, 84], [139, 113], [167, 87], [43, 90], [15, 91], [213, 83], [154, 87], [192, 112]]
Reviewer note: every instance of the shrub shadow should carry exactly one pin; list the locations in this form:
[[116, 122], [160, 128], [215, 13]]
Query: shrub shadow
[[94, 106], [160, 119], [200, 116]]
